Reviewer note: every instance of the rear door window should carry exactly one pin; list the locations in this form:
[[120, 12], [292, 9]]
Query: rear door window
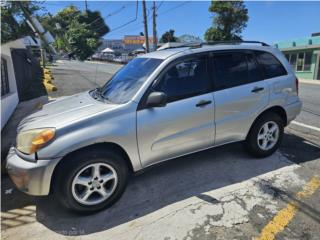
[[235, 68], [272, 66]]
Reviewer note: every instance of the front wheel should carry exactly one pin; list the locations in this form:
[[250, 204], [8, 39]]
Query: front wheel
[[91, 180], [265, 135]]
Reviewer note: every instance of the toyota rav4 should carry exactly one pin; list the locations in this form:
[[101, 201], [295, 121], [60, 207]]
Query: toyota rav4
[[159, 106]]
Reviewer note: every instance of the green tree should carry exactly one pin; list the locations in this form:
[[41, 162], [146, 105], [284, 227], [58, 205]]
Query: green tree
[[78, 32], [187, 38], [95, 22], [82, 40], [230, 18], [13, 24], [168, 37]]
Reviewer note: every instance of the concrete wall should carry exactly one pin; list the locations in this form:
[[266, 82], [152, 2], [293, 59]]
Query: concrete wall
[[9, 101]]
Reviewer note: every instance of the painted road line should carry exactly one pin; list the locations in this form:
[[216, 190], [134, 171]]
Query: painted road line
[[284, 216], [306, 126]]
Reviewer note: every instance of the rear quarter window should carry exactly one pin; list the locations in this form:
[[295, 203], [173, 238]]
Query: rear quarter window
[[270, 64]]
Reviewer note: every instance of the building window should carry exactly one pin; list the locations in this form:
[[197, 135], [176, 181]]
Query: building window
[[307, 61], [4, 78], [287, 57], [300, 61], [293, 61]]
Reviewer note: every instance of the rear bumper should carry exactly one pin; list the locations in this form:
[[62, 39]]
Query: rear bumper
[[293, 110], [33, 178]]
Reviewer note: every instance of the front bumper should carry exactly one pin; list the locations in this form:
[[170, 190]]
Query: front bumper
[[33, 178]]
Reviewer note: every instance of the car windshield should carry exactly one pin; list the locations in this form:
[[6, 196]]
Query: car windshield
[[127, 81]]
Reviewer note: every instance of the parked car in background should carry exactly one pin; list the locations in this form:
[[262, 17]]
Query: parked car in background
[[159, 106]]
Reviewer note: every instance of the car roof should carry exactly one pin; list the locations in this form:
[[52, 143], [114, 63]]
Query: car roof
[[166, 53]]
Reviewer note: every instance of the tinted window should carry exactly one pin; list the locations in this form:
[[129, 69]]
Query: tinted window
[[234, 69], [185, 79], [126, 82], [307, 61], [272, 67], [253, 69], [287, 57], [293, 61], [300, 61]]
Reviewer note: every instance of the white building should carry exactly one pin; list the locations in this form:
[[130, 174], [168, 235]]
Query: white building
[[9, 92]]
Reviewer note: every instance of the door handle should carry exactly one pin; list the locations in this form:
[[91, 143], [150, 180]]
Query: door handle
[[203, 103], [257, 89]]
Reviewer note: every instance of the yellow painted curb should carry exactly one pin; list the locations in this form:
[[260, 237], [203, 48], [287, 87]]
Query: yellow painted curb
[[50, 87], [45, 70], [47, 81], [48, 77]]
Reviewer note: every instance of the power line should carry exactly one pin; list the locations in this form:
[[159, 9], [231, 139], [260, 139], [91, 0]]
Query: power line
[[131, 21], [110, 14], [140, 25], [160, 4], [175, 7], [115, 12], [137, 26]]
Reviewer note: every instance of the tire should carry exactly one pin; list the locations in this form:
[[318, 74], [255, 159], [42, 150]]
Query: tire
[[257, 147], [75, 180]]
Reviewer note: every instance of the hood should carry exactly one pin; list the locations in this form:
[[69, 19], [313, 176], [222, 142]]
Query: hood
[[64, 111]]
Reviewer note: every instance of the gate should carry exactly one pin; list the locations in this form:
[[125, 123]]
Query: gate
[[28, 74]]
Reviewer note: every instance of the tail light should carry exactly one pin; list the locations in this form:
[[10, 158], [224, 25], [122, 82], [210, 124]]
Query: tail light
[[297, 85]]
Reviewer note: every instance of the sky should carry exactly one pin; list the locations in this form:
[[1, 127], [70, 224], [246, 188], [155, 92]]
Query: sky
[[270, 21]]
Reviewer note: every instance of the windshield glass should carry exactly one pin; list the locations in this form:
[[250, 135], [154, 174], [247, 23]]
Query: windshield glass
[[127, 81]]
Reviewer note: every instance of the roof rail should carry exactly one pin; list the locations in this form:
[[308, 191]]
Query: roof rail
[[235, 42], [179, 45]]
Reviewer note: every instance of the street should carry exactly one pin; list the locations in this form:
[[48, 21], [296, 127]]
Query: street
[[73, 76], [310, 97], [220, 193]]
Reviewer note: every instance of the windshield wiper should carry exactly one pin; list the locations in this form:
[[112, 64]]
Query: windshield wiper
[[96, 94], [99, 96]]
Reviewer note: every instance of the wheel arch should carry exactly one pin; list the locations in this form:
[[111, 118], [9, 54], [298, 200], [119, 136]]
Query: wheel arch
[[276, 109], [103, 145]]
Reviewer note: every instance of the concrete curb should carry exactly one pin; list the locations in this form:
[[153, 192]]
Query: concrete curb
[[47, 81], [309, 81], [50, 87]]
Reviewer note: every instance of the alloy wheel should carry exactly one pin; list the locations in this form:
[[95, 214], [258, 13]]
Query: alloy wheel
[[94, 183], [268, 135]]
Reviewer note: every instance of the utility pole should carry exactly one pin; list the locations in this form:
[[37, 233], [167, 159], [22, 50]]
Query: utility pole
[[27, 15], [145, 24], [86, 4], [155, 42]]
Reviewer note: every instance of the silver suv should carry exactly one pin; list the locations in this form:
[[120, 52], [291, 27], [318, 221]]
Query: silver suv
[[159, 106]]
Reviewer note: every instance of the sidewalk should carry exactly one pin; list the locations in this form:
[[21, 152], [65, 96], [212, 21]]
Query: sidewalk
[[314, 81]]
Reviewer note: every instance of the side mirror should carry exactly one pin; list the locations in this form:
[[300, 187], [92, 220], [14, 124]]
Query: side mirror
[[156, 99]]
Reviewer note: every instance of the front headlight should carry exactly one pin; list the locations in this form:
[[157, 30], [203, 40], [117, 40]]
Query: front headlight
[[30, 141]]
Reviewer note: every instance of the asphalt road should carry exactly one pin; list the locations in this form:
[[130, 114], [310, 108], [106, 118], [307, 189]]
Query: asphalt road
[[310, 96], [72, 76], [220, 193]]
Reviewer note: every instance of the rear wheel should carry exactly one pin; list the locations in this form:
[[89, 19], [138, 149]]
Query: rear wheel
[[91, 180], [265, 135]]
